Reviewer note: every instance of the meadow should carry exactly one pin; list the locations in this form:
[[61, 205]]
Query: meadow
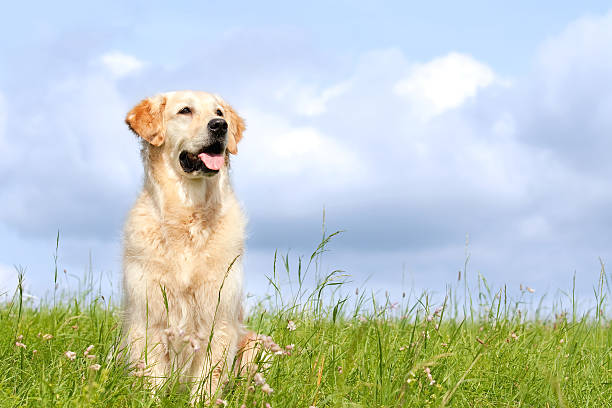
[[474, 347]]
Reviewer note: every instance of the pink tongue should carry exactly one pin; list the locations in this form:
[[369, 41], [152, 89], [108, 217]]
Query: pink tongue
[[212, 161]]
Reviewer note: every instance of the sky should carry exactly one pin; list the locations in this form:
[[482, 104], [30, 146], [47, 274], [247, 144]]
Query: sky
[[426, 132]]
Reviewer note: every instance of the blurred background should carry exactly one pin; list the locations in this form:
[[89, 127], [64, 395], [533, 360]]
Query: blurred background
[[427, 132]]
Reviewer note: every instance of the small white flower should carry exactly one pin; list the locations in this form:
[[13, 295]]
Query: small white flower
[[20, 337], [91, 356], [290, 347], [20, 344], [70, 355], [95, 367], [47, 336], [195, 345], [267, 389], [291, 325], [259, 379]]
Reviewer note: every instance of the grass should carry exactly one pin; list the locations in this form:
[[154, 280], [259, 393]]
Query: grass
[[480, 349]]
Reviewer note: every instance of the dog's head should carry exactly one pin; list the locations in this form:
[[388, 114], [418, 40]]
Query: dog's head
[[195, 130]]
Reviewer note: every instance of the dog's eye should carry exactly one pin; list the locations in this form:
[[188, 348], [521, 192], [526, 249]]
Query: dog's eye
[[219, 113], [185, 111]]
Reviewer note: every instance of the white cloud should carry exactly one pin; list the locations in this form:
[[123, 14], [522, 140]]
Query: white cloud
[[8, 280], [274, 146], [120, 64], [309, 101], [444, 83]]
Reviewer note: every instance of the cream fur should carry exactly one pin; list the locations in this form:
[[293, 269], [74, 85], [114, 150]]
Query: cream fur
[[182, 235]]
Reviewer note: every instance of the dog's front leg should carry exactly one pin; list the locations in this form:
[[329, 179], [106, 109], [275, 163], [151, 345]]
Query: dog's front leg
[[148, 354], [212, 362]]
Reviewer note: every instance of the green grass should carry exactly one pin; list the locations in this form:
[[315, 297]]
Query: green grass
[[350, 351]]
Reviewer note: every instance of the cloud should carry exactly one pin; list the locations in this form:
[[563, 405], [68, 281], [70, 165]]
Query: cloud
[[120, 64], [406, 156], [444, 83], [307, 100], [71, 163], [8, 280]]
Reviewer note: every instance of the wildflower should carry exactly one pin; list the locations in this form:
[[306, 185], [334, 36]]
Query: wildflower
[[20, 344], [259, 379], [195, 345], [34, 351], [268, 405], [291, 325], [289, 347], [340, 369], [47, 336], [267, 389], [75, 327], [70, 355], [438, 311], [561, 341], [20, 337], [243, 406], [444, 344], [514, 335], [530, 290], [95, 367], [91, 356], [220, 401], [88, 350], [429, 377], [393, 306], [402, 348], [362, 319], [430, 318]]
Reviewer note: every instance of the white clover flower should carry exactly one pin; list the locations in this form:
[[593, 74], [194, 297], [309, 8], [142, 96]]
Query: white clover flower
[[259, 379], [267, 389], [291, 325], [70, 355]]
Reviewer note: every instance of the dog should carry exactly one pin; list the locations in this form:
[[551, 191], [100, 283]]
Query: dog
[[183, 244]]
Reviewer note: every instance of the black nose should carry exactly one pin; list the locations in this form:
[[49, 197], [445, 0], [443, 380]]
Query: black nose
[[217, 126]]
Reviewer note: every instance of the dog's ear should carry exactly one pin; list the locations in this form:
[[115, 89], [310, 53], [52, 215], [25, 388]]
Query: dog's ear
[[147, 119], [236, 127]]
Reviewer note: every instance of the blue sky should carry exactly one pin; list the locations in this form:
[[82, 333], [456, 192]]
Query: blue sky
[[413, 125]]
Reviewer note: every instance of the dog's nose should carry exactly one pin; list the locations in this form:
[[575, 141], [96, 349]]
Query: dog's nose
[[217, 126]]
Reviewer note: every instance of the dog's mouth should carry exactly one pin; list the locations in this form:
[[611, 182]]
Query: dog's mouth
[[209, 159]]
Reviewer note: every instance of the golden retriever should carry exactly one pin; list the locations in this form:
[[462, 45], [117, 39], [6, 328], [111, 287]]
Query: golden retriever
[[183, 241]]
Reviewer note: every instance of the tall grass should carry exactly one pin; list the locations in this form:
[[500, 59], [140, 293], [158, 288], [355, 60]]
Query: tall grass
[[472, 347]]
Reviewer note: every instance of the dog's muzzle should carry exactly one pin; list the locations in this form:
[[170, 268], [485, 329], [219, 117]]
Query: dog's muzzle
[[210, 158]]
